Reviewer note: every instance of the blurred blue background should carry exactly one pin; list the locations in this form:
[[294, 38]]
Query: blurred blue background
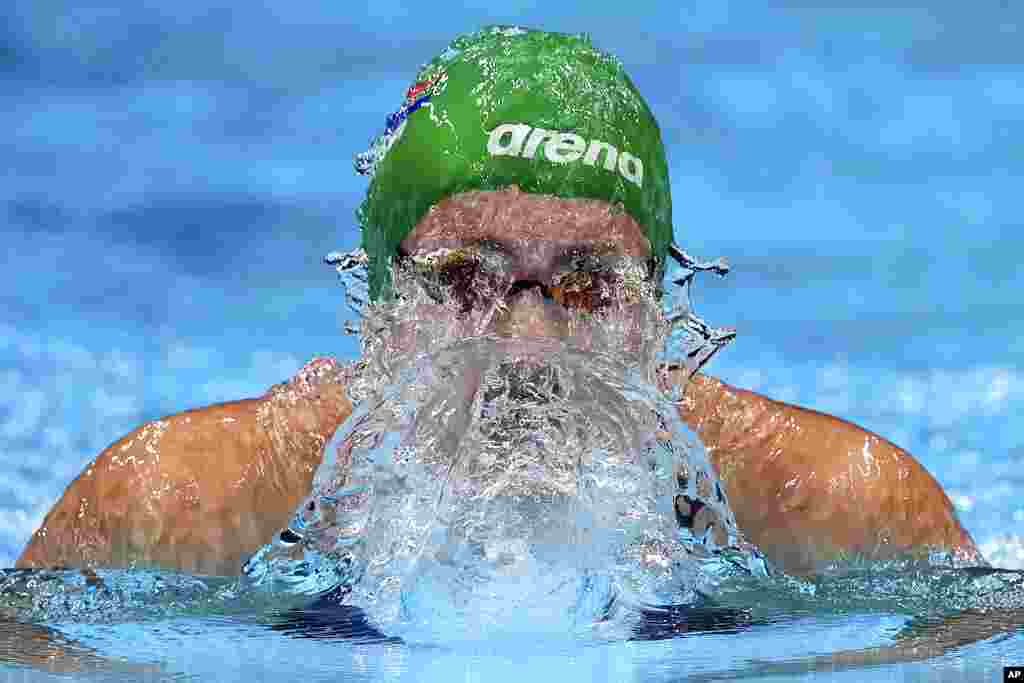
[[174, 173]]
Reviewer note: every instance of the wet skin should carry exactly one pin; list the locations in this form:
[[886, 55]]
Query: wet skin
[[201, 490], [198, 491]]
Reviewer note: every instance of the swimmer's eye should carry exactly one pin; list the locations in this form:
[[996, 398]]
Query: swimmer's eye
[[466, 280], [459, 274], [585, 289], [591, 283], [461, 280]]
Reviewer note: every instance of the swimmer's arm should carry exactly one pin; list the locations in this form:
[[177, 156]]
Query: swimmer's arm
[[159, 495], [198, 491], [809, 488]]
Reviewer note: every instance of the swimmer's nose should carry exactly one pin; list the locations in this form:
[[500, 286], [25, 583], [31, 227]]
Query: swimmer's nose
[[531, 312]]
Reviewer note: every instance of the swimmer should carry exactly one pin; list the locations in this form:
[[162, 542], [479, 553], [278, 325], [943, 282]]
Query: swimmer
[[547, 156]]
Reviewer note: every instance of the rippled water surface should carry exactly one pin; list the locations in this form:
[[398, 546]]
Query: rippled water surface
[[138, 625]]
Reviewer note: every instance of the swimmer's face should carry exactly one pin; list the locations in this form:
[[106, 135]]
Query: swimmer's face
[[546, 267]]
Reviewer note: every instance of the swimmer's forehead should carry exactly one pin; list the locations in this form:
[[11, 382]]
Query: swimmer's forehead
[[513, 222]]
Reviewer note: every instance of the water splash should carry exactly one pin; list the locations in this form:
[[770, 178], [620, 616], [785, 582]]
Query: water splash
[[108, 595], [692, 341], [487, 483], [355, 281]]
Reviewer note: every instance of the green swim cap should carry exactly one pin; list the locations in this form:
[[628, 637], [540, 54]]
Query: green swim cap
[[513, 106]]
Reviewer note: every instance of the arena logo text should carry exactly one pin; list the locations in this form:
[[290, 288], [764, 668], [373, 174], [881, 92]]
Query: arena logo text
[[561, 147]]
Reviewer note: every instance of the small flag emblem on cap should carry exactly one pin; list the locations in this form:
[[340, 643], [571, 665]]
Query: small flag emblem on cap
[[416, 96]]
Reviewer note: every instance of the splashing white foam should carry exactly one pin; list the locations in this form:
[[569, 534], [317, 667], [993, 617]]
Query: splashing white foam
[[488, 484]]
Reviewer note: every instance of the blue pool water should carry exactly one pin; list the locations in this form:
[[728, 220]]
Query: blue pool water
[[195, 637], [174, 175]]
